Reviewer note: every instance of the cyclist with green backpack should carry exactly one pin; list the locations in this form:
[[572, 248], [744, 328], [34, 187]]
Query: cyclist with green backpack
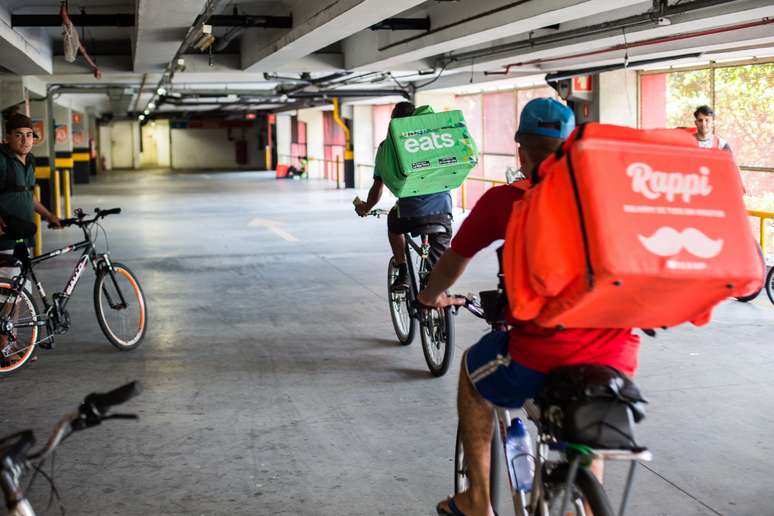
[[410, 213]]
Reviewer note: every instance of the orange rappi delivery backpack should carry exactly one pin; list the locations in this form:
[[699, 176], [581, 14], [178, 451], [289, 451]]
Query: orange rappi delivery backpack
[[629, 228]]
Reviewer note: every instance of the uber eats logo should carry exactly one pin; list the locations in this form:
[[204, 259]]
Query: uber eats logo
[[428, 142]]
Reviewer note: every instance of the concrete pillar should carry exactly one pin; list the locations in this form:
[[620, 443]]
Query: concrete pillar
[[41, 125], [93, 139], [284, 137], [63, 152], [363, 145], [81, 157], [105, 149], [615, 98], [315, 146]]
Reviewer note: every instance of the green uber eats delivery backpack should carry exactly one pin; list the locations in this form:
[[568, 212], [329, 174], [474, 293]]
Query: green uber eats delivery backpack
[[426, 153]]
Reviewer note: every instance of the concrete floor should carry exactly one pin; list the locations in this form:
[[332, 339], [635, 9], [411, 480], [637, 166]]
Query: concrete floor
[[273, 383]]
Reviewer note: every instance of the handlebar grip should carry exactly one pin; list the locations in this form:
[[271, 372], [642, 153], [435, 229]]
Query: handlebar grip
[[103, 401], [111, 211], [64, 223]]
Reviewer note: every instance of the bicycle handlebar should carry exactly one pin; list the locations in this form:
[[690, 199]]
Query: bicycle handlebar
[[103, 401], [91, 412], [80, 220]]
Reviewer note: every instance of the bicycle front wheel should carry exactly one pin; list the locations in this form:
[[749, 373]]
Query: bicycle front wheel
[[19, 312], [437, 331], [400, 308], [586, 493], [770, 284], [120, 307]]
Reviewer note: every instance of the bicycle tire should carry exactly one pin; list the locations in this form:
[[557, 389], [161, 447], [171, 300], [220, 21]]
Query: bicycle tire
[[753, 295], [437, 333], [103, 284], [399, 303], [770, 285], [496, 466], [585, 486], [31, 341]]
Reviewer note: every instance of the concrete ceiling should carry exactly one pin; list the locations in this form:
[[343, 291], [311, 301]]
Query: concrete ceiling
[[466, 40]]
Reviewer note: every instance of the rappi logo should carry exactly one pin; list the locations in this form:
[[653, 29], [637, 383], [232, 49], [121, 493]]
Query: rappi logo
[[429, 142], [671, 185]]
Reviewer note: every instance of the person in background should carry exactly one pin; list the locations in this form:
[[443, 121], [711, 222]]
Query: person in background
[[704, 118], [409, 213]]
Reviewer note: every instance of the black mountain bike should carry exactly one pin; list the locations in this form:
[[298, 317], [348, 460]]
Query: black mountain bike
[[118, 298], [436, 326], [16, 457]]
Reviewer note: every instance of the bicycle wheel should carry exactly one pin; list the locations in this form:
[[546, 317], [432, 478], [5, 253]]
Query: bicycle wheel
[[586, 488], [770, 284], [753, 295], [400, 308], [496, 466], [16, 351], [437, 332], [123, 324]]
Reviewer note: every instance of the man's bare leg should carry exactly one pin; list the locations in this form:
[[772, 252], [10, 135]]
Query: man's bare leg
[[398, 245], [477, 425]]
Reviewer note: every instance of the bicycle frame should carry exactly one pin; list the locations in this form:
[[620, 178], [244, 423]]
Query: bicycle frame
[[423, 251], [55, 309], [536, 505]]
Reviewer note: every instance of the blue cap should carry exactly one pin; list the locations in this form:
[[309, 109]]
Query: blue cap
[[546, 117]]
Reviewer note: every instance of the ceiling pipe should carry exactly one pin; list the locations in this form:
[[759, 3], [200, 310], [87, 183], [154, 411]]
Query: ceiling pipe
[[637, 20], [644, 43], [128, 20], [569, 74]]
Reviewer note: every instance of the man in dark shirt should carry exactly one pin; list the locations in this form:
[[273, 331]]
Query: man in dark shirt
[[409, 213], [17, 178]]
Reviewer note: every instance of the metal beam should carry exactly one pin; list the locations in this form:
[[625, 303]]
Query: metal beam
[[85, 20], [252, 21], [403, 24]]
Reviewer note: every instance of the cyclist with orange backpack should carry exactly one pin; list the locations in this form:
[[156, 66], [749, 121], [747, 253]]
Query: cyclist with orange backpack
[[507, 368]]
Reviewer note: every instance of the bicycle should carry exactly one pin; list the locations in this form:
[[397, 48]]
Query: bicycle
[[117, 293], [562, 484], [436, 326], [16, 459], [770, 284]]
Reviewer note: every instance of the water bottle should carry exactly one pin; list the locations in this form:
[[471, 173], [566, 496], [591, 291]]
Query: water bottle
[[521, 461]]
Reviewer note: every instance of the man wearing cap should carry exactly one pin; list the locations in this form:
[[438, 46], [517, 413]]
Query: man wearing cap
[[17, 179], [507, 368]]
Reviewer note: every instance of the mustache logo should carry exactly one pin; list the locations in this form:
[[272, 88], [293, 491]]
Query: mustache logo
[[668, 241]]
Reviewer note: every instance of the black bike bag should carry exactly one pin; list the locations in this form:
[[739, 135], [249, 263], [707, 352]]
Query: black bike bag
[[592, 405]]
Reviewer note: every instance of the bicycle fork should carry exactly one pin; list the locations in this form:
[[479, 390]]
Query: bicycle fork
[[106, 264]]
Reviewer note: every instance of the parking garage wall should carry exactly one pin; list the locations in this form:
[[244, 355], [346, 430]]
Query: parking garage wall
[[208, 147]]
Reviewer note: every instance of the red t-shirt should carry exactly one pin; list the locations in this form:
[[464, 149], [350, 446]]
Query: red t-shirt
[[533, 346]]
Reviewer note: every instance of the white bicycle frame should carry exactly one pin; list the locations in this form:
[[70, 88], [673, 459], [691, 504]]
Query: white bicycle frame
[[529, 503]]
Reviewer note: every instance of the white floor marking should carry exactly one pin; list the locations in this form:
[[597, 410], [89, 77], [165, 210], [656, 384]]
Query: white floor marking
[[273, 226]]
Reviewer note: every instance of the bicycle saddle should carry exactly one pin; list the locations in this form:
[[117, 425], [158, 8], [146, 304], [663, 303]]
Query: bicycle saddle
[[428, 229]]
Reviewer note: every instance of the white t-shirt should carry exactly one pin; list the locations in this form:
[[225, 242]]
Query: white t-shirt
[[713, 142]]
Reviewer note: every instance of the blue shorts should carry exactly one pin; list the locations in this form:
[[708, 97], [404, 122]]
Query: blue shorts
[[496, 377]]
